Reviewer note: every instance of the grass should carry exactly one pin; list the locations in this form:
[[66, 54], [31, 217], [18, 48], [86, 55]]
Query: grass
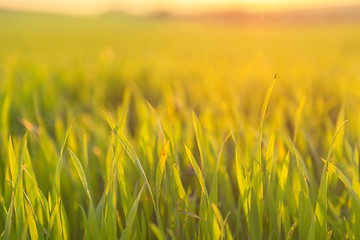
[[117, 127]]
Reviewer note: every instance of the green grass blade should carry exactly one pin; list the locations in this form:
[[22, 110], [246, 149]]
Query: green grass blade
[[57, 219], [12, 161], [197, 170], [332, 168], [87, 233], [54, 214], [291, 231], [129, 150], [214, 182], [156, 231], [254, 224], [305, 215], [81, 174], [334, 139], [318, 226], [130, 218], [298, 116], [199, 139], [30, 218], [134, 158], [9, 220], [221, 221], [4, 124], [270, 156], [178, 183], [263, 112], [56, 181], [160, 171]]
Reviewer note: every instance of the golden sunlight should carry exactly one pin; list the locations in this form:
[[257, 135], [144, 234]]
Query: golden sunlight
[[99, 6]]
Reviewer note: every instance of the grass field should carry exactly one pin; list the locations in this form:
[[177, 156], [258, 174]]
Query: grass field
[[143, 128]]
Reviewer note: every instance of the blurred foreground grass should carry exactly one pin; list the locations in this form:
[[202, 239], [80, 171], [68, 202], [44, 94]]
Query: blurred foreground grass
[[175, 133]]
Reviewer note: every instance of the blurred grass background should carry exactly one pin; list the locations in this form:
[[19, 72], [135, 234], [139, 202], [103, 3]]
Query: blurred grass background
[[86, 63]]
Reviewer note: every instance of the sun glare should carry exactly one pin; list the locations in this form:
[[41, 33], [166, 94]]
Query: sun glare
[[143, 6]]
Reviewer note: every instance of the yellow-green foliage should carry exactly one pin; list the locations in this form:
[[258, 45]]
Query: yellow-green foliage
[[141, 128]]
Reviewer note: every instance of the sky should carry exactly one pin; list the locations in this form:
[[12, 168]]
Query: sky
[[143, 6]]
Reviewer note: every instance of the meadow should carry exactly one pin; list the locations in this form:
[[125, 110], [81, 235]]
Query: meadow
[[118, 127]]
